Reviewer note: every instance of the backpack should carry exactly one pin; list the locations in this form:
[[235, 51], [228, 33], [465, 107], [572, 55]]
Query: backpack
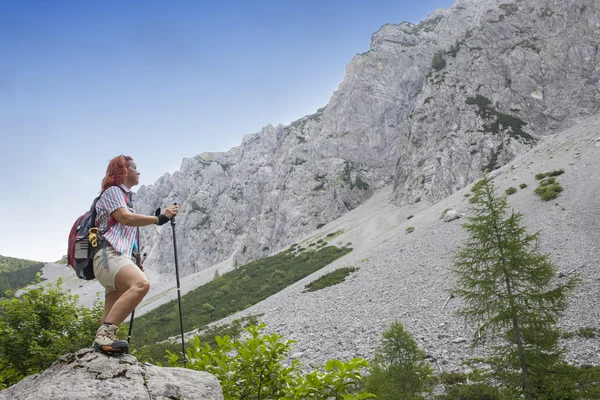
[[84, 240]]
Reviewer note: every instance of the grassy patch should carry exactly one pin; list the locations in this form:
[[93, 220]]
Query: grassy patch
[[233, 291], [330, 279], [511, 190], [543, 175]]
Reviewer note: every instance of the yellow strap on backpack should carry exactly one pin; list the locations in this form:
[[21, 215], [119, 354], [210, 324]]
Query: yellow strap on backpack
[[93, 236]]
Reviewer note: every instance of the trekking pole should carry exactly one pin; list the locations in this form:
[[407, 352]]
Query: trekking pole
[[130, 326], [178, 290], [133, 312]]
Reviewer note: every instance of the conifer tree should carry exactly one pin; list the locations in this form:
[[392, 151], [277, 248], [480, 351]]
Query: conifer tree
[[399, 369], [509, 293]]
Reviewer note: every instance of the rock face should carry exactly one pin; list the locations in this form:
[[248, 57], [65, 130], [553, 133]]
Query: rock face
[[525, 70], [88, 374], [427, 108]]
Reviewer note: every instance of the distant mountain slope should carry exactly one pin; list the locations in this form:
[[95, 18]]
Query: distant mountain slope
[[16, 273]]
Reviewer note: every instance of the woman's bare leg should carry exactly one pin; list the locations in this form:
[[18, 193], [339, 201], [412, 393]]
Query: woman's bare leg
[[109, 302], [133, 286]]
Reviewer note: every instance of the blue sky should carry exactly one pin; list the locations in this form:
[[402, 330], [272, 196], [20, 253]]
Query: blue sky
[[83, 81]]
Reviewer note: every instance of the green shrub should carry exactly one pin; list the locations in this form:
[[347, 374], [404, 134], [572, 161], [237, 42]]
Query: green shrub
[[588, 333], [452, 378], [40, 326], [329, 279], [556, 172], [410, 229], [549, 191], [546, 182], [399, 369], [511, 190], [567, 335], [523, 185], [477, 391], [438, 62], [257, 368]]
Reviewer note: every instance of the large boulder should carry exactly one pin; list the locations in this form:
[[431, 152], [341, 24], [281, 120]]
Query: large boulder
[[89, 374]]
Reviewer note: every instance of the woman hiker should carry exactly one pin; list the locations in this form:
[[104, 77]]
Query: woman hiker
[[117, 265]]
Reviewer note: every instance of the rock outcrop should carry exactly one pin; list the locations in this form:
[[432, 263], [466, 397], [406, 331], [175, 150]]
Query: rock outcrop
[[89, 374]]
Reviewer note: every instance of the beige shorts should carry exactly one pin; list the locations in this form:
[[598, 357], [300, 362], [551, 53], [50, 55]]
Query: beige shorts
[[116, 261]]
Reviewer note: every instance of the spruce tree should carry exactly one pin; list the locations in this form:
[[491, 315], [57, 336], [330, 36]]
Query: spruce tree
[[509, 293]]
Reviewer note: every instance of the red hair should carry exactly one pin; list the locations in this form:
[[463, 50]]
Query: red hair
[[116, 171]]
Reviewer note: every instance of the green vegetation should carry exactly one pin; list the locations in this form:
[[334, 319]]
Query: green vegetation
[[452, 378], [157, 353], [438, 62], [543, 175], [330, 279], [567, 335], [410, 229], [588, 333], [513, 126], [257, 368], [523, 185], [444, 213], [232, 292], [511, 190], [16, 273], [548, 188], [399, 369], [350, 169], [475, 391], [453, 49], [507, 288], [332, 235], [38, 327]]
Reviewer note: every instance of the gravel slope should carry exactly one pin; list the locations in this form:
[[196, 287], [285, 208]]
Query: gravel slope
[[406, 277]]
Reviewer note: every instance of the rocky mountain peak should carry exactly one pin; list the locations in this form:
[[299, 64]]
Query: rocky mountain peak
[[427, 108]]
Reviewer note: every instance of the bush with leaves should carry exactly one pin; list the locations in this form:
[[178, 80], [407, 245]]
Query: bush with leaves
[[256, 368], [399, 369], [41, 325], [509, 293]]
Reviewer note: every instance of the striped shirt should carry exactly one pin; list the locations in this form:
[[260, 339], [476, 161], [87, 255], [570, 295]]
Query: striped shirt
[[121, 237]]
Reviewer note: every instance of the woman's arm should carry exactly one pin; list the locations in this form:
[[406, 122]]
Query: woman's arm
[[123, 216], [126, 218]]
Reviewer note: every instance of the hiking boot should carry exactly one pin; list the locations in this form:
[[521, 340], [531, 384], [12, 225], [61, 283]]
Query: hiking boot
[[107, 342]]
